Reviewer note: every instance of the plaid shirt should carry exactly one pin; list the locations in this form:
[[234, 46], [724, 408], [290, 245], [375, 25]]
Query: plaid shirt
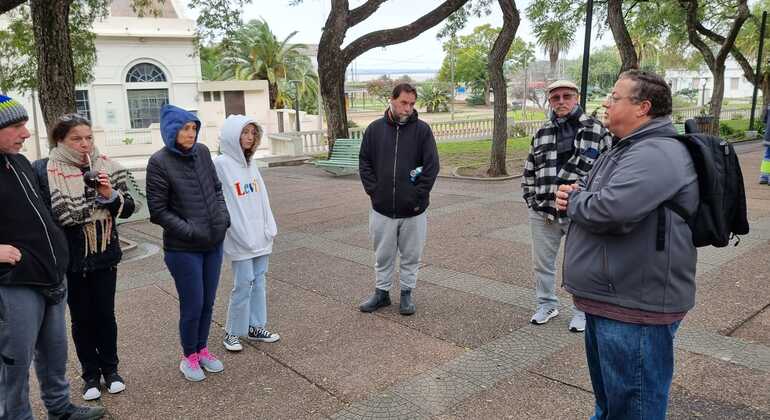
[[541, 179]]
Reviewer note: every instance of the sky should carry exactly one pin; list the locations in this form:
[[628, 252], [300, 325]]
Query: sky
[[423, 52]]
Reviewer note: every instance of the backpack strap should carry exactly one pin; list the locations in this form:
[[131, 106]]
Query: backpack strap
[[660, 239]]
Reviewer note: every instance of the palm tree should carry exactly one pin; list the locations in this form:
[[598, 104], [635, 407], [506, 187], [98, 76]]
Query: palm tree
[[554, 37], [256, 54], [301, 69]]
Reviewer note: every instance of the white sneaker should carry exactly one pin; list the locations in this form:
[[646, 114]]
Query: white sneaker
[[114, 383], [578, 323], [91, 390], [543, 315]]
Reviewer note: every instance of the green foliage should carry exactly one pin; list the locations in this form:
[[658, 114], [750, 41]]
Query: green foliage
[[217, 18], [433, 97], [554, 24], [604, 65], [382, 88], [18, 56], [470, 53], [254, 53], [476, 98]]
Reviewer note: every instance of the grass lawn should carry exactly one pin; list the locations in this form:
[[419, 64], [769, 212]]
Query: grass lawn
[[476, 153]]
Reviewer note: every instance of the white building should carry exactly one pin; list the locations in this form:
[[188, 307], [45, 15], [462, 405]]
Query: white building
[[142, 64], [736, 85]]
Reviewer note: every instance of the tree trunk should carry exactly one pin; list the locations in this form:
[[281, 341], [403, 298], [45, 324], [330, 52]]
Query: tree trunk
[[496, 59], [715, 63], [272, 93], [333, 59], [628, 57], [55, 68], [553, 58]]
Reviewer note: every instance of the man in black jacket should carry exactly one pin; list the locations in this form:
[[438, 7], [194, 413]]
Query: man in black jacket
[[33, 260], [398, 164]]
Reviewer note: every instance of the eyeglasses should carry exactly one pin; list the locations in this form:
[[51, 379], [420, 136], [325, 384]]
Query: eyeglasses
[[565, 97], [612, 99]]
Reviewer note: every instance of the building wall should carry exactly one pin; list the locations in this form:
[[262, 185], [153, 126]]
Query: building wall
[[736, 85]]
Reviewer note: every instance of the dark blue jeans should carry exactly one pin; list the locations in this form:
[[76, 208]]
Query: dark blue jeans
[[631, 367], [196, 276]]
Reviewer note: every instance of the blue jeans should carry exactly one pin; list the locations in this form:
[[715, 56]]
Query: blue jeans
[[248, 300], [631, 367], [196, 276]]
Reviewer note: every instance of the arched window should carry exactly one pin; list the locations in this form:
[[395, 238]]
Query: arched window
[[145, 72]]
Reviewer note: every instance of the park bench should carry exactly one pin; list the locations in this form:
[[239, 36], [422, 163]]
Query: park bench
[[344, 157]]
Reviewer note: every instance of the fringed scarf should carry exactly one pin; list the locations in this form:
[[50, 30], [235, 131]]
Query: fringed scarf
[[73, 203]]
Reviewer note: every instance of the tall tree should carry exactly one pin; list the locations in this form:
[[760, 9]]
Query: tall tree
[[53, 47], [555, 23], [333, 59], [255, 53], [497, 57], [715, 62]]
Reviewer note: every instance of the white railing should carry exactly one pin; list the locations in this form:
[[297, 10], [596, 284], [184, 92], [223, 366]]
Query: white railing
[[314, 142], [119, 137]]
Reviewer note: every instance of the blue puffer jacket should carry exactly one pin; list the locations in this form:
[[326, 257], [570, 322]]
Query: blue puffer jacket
[[184, 195]]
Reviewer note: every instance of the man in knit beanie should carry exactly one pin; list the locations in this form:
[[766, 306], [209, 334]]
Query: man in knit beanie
[[33, 260]]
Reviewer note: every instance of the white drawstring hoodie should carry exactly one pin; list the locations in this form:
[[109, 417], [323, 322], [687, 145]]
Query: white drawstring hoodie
[[252, 225]]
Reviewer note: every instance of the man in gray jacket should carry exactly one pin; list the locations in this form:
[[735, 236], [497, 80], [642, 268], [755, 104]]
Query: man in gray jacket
[[633, 294]]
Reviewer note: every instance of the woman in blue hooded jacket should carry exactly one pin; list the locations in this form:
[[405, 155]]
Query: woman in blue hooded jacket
[[185, 198]]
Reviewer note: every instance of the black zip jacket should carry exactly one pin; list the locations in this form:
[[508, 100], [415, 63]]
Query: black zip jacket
[[27, 224], [389, 152], [185, 198]]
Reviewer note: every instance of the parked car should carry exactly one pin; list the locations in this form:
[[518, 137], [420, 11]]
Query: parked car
[[517, 104]]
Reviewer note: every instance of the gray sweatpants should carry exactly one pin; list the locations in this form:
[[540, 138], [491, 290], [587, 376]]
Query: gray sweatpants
[[546, 239], [28, 327], [391, 237]]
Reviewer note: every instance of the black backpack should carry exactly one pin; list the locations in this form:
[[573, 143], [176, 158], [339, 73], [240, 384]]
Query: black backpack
[[721, 213]]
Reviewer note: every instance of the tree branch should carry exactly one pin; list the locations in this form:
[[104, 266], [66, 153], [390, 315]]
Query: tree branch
[[8, 5], [360, 13], [748, 69], [691, 18], [403, 33]]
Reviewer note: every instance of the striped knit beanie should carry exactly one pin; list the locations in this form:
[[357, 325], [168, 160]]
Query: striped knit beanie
[[11, 112]]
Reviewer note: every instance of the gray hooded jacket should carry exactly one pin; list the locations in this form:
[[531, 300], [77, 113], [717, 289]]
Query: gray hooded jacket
[[610, 253]]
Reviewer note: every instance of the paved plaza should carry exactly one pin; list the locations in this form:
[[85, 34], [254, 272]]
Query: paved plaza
[[469, 351]]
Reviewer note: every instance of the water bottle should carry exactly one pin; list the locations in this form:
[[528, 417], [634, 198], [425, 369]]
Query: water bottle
[[414, 173]]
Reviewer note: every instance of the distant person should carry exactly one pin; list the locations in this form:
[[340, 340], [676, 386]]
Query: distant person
[[249, 240], [33, 264], [185, 198], [561, 152], [398, 164], [634, 290], [86, 192], [764, 170]]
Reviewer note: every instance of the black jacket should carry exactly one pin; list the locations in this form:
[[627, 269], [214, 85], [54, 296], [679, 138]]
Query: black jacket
[[389, 152], [27, 224], [185, 198], [76, 240]]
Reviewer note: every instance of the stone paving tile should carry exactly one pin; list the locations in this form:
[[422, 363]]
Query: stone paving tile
[[756, 329], [435, 391], [482, 368], [728, 296], [349, 353], [683, 405], [382, 407], [459, 318], [517, 233], [525, 396], [568, 365], [716, 380]]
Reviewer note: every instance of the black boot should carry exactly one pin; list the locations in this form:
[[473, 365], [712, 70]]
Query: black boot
[[406, 306], [376, 301]]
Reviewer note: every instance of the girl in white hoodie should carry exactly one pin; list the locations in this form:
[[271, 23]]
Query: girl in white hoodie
[[249, 239]]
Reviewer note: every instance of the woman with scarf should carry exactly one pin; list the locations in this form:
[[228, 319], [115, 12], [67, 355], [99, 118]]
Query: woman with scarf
[[86, 192]]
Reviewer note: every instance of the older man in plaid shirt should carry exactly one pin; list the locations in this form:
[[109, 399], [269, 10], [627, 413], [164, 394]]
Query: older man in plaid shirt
[[562, 151]]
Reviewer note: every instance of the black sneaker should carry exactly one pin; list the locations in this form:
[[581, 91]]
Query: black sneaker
[[76, 412], [91, 389], [263, 335], [114, 383]]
